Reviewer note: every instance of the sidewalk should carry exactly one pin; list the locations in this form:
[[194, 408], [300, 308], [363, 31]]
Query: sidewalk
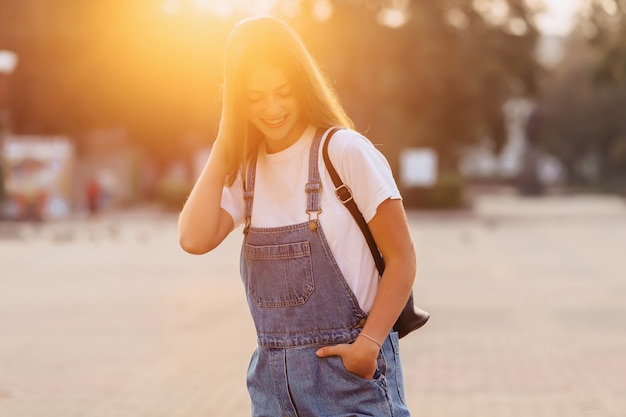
[[110, 318]]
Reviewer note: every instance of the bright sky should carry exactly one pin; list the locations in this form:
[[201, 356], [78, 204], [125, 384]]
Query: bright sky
[[557, 19]]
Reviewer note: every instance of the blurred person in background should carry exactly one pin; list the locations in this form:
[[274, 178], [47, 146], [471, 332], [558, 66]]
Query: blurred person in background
[[93, 193], [322, 313]]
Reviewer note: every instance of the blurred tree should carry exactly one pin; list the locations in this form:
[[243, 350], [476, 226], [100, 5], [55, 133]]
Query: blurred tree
[[411, 73], [585, 97], [440, 79], [115, 64], [605, 26]]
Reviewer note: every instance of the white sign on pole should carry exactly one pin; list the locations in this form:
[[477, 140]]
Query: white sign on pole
[[418, 167]]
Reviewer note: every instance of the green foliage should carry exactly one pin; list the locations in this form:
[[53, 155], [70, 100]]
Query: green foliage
[[584, 100], [447, 193], [440, 80], [172, 193], [605, 25]]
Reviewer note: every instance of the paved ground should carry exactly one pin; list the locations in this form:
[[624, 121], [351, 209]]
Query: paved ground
[[109, 318]]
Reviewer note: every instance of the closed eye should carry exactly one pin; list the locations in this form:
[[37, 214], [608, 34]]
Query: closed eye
[[284, 92], [254, 98]]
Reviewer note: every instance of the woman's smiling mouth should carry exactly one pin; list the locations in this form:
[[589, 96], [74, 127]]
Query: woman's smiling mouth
[[273, 123]]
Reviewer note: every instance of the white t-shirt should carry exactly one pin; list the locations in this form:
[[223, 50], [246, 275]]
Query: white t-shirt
[[280, 199]]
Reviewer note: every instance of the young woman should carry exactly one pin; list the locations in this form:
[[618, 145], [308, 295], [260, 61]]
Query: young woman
[[322, 313]]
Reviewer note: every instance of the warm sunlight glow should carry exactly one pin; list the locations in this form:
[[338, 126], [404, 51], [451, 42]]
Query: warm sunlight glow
[[457, 18], [322, 10], [517, 26], [396, 14], [226, 8], [8, 62], [495, 12], [558, 16], [171, 6]]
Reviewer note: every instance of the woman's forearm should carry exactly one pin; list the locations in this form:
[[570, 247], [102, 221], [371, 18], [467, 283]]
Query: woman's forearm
[[391, 232], [393, 291], [203, 224]]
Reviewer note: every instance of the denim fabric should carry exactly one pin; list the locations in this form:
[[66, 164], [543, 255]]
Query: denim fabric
[[300, 301]]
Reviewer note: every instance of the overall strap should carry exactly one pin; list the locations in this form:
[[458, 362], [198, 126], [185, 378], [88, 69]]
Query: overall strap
[[248, 192], [314, 186]]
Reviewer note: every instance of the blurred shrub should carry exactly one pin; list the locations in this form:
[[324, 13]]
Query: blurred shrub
[[172, 193], [447, 193]]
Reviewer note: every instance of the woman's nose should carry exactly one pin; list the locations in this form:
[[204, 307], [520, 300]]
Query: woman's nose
[[273, 103]]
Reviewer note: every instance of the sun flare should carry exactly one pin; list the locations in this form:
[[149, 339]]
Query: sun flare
[[224, 8]]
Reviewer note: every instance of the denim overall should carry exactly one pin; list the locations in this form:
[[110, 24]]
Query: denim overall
[[299, 302]]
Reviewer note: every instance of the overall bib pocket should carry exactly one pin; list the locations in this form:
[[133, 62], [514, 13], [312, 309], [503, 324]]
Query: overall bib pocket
[[279, 275]]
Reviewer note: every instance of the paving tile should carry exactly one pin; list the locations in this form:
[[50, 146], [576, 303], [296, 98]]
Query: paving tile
[[110, 318]]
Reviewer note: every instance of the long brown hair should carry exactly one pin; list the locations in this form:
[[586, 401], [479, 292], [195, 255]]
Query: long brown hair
[[268, 40]]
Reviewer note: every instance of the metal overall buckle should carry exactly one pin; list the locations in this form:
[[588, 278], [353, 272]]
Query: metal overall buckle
[[313, 221]]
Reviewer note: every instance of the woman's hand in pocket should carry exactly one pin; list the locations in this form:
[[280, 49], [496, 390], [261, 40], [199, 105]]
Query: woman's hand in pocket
[[359, 358]]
